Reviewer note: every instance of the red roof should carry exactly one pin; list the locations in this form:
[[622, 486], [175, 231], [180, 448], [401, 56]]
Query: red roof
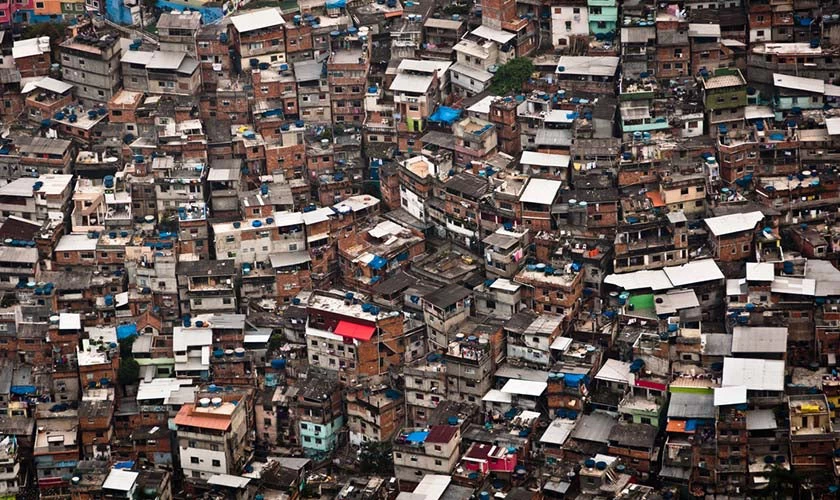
[[187, 417], [478, 451], [677, 426], [357, 331], [656, 198], [647, 384], [441, 433]]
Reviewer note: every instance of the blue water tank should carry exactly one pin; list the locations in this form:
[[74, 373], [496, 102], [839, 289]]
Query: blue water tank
[[278, 364]]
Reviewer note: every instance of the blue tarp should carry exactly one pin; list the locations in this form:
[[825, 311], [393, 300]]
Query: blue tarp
[[574, 379], [417, 436], [125, 331], [336, 4], [23, 390], [124, 465], [377, 262], [445, 115]]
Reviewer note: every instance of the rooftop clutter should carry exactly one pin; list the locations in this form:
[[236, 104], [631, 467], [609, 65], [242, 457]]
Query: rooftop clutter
[[455, 251]]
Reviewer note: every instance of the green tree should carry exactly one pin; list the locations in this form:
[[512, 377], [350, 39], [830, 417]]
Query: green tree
[[376, 457], [125, 346], [783, 483], [511, 75], [129, 372]]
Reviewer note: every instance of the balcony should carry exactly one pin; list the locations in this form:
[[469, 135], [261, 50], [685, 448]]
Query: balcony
[[678, 454], [515, 25]]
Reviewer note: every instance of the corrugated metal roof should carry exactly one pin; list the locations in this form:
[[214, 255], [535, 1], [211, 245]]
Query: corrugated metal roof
[[615, 371], [759, 339], [229, 481], [524, 387], [541, 191], [588, 65], [697, 271], [734, 395], [785, 81], [415, 84], [760, 271], [558, 431], [733, 223], [595, 427], [307, 71], [755, 374], [495, 35], [258, 19], [166, 60], [289, 258], [761, 420], [120, 480], [544, 159], [689, 405]]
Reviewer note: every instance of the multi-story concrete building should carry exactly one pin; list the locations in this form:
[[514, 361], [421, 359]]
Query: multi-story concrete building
[[212, 436], [347, 70], [318, 411], [207, 286], [421, 451], [92, 64]]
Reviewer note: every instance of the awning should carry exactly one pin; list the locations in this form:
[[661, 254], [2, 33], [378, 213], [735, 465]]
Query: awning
[[354, 330], [23, 390], [677, 426]]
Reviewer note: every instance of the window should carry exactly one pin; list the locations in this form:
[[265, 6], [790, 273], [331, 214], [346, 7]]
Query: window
[[193, 460], [217, 463], [438, 462]]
